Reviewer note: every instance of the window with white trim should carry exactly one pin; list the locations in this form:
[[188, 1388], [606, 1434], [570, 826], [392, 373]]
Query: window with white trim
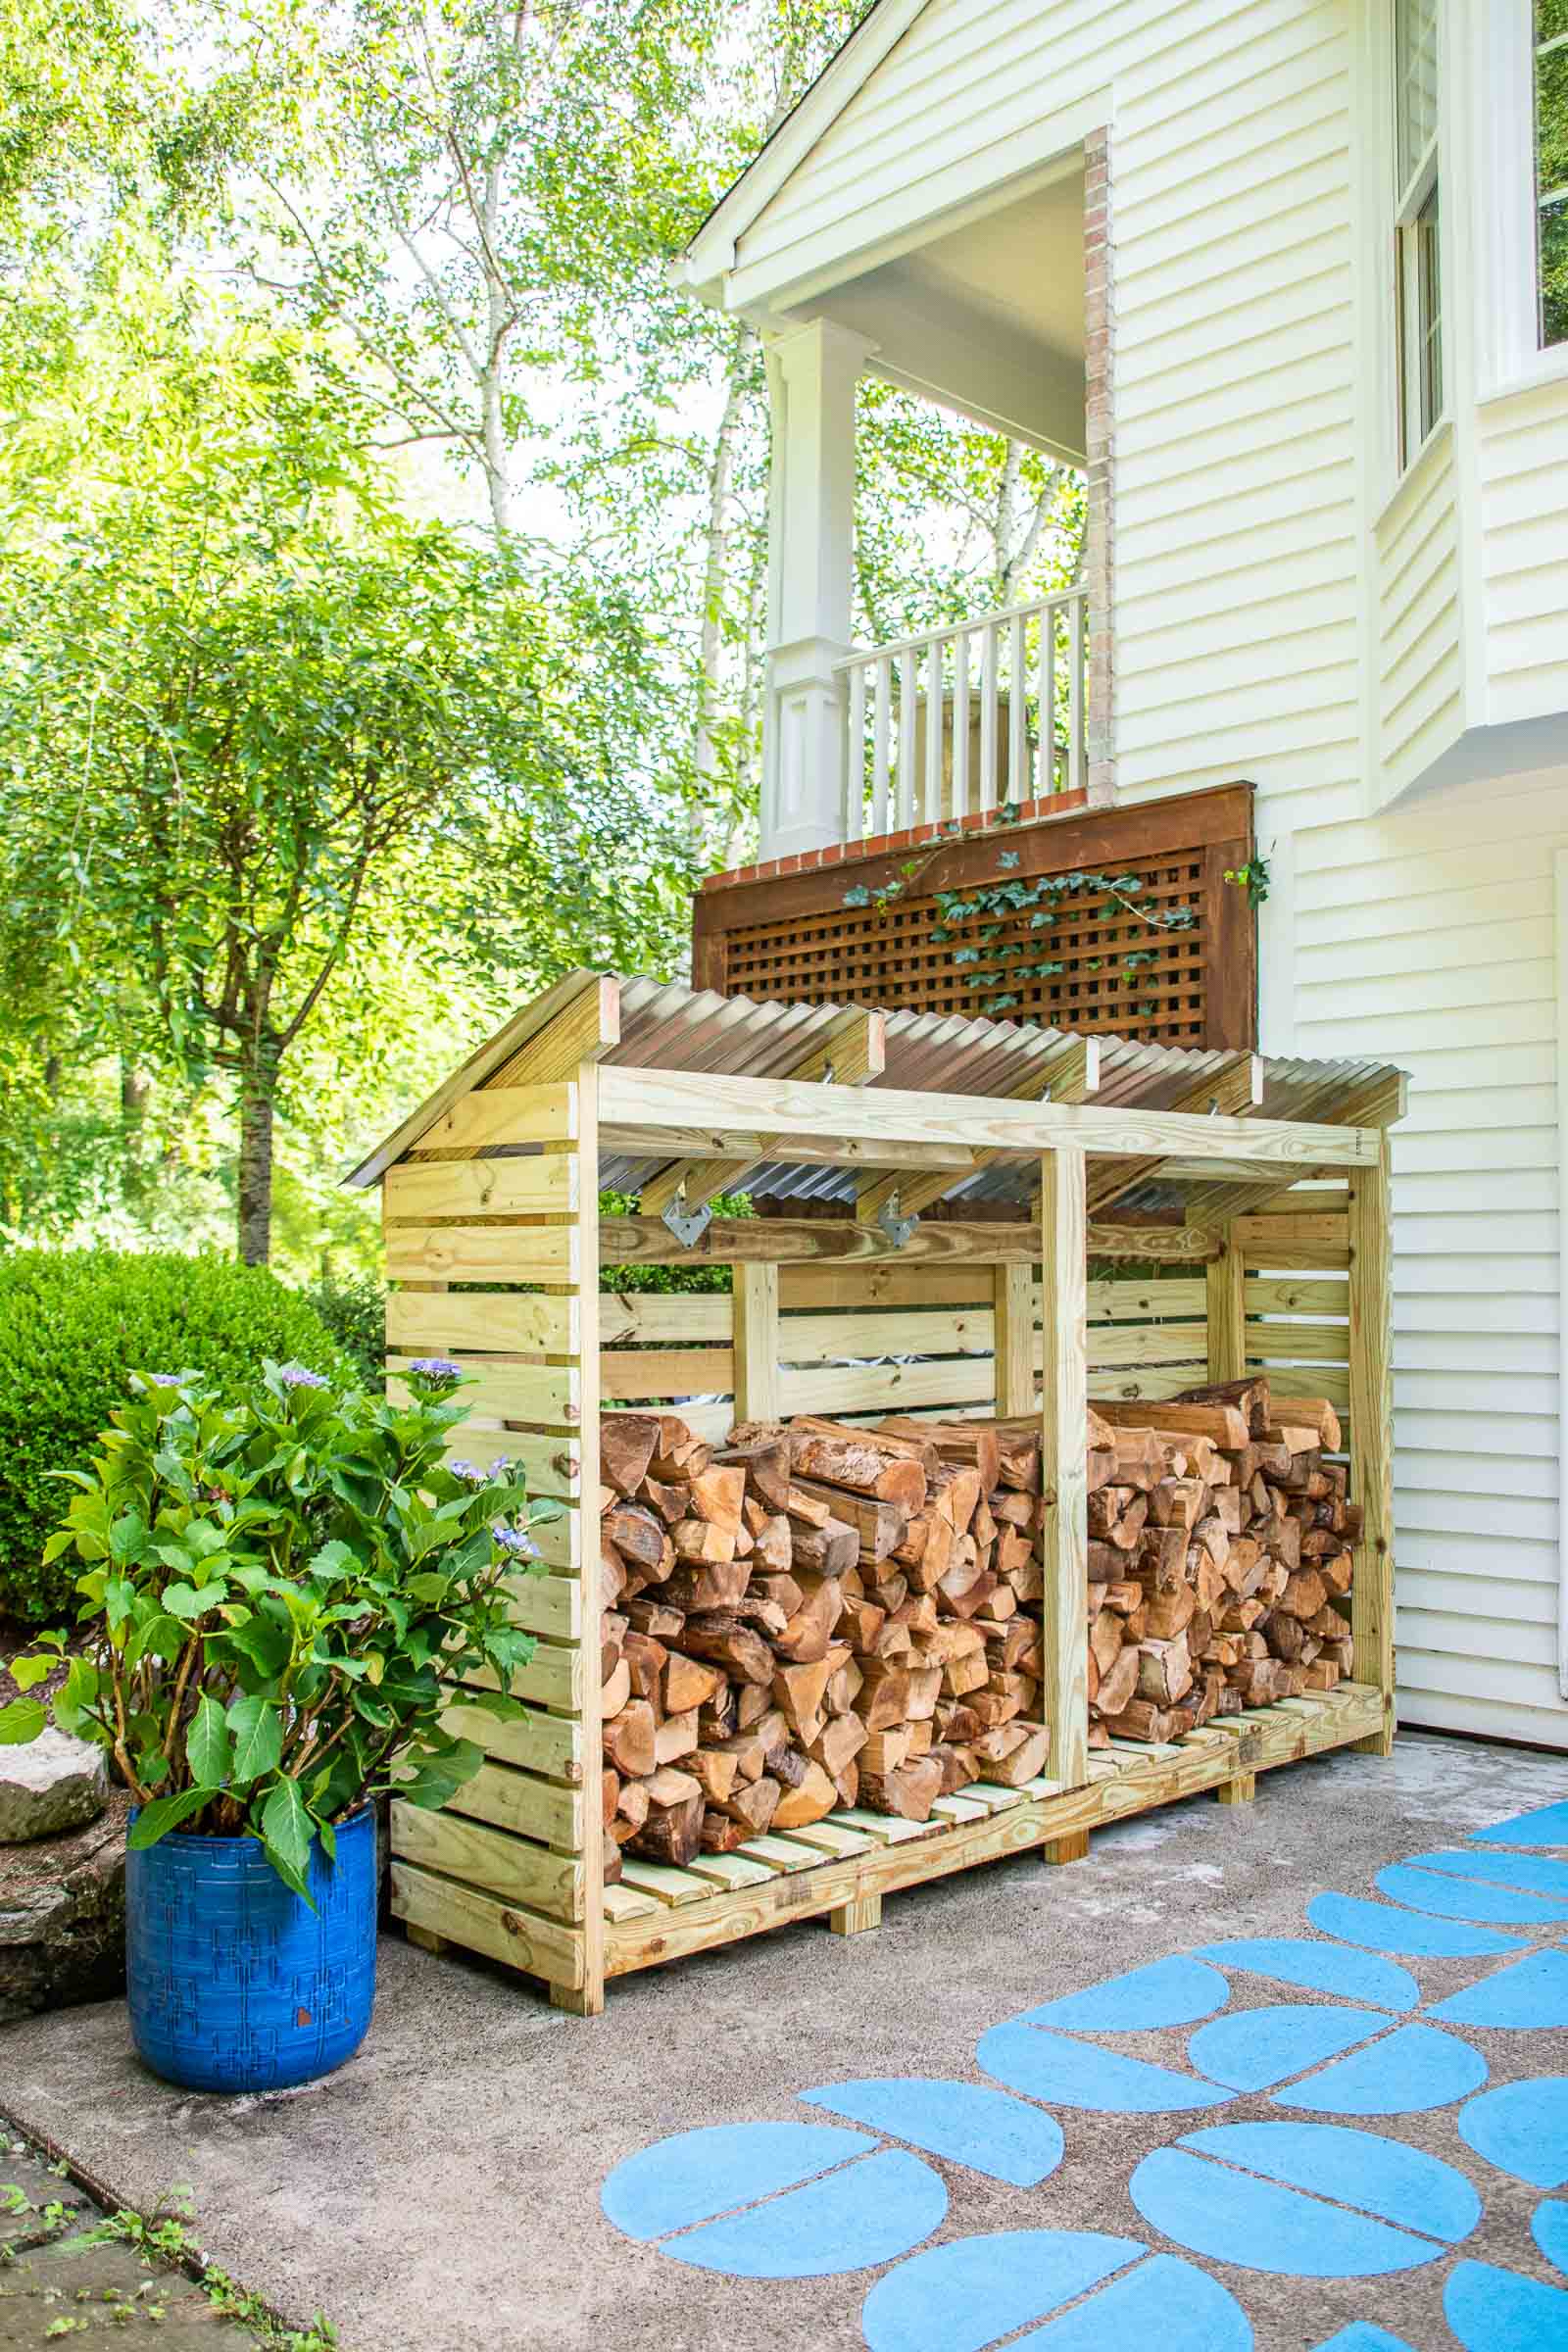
[[1550, 42], [1418, 274]]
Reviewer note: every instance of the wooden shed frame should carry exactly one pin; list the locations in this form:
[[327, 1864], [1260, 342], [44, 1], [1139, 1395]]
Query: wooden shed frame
[[496, 1180]]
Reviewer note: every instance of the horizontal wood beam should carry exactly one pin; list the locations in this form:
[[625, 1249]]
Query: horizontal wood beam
[[1231, 1091], [803, 1241], [1066, 1075], [744, 1152], [852, 1053], [659, 1102], [1379, 1105]]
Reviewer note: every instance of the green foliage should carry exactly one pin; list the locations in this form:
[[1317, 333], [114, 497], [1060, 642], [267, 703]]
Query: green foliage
[[1254, 877], [352, 1307], [276, 1589], [77, 1323]]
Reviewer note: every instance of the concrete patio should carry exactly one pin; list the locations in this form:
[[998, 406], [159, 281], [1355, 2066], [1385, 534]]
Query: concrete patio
[[443, 2189]]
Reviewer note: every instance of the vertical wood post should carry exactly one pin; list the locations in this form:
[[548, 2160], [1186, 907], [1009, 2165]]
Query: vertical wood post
[[1064, 1421], [1226, 1278], [1014, 1308], [756, 1339], [588, 1998], [1372, 1436]]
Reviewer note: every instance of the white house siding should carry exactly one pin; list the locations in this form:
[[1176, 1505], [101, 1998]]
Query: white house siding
[[1420, 681], [1523, 469], [1427, 935]]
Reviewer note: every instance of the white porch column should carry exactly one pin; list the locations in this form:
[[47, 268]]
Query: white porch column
[[812, 375]]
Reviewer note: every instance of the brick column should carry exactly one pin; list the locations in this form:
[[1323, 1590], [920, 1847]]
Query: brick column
[[1099, 321]]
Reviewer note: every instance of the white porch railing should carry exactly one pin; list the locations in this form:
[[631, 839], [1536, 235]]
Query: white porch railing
[[965, 718]]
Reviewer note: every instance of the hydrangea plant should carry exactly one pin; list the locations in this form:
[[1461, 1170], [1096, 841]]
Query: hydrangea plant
[[277, 1588]]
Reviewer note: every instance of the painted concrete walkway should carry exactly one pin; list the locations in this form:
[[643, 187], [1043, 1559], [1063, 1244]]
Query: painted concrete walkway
[[1287, 2078]]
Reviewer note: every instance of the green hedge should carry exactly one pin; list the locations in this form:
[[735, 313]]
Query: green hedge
[[72, 1325]]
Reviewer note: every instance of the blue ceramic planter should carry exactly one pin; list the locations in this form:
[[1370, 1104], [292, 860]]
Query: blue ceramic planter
[[234, 1984]]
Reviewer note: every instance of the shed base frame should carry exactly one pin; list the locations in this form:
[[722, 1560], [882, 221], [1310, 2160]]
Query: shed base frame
[[671, 1912]]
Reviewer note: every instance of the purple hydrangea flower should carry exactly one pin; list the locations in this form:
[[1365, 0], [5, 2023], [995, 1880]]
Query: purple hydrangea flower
[[513, 1538], [469, 1471], [161, 1379], [437, 1368], [295, 1376], [501, 1468]]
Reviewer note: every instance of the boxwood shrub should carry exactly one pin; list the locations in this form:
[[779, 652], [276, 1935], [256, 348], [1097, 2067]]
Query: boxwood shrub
[[72, 1325]]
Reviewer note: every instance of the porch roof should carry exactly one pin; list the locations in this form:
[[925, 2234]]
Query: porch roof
[[667, 1026]]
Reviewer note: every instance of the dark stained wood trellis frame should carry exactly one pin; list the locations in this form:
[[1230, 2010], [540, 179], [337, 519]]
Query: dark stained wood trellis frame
[[791, 937]]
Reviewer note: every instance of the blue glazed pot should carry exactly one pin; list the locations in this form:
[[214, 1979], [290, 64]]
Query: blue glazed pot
[[233, 1983]]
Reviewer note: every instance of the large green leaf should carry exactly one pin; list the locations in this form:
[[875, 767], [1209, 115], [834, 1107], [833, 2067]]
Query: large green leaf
[[258, 1736], [166, 1813], [23, 1720], [191, 1602], [287, 1827], [208, 1749]]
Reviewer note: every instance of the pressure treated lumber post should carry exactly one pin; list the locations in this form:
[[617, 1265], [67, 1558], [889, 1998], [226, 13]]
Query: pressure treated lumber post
[[1238, 1791], [1372, 1438], [756, 1335], [1064, 1421], [857, 1917], [1226, 1283], [588, 1998], [1015, 1315]]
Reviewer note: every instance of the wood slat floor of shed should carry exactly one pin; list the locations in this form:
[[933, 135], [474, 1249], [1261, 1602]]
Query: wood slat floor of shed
[[848, 1862]]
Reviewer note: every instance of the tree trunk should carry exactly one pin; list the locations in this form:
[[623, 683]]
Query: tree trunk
[[715, 579], [255, 1203]]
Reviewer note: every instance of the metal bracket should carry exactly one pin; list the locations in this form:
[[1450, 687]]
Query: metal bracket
[[898, 1229], [688, 1229]]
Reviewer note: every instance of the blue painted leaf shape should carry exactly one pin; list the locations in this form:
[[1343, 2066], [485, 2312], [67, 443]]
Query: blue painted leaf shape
[[1549, 2226], [1354, 1976], [1255, 2049], [695, 2175], [868, 2213], [1408, 2072], [965, 2295], [1492, 2310], [989, 2131], [1386, 1928], [1466, 1899], [1164, 2302], [1522, 2128], [1175, 1992], [1076, 2073], [1400, 2184], [1538, 1874], [1529, 1993], [1543, 1825], [1263, 2225]]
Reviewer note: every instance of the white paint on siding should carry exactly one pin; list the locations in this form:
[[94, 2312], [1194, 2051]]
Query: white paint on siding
[[1420, 668], [1523, 469]]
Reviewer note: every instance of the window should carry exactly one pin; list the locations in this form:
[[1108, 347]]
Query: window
[[1418, 274], [1551, 171]]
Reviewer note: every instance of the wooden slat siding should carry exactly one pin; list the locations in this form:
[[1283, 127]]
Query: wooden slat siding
[[453, 1323], [821, 1240], [547, 1745], [1126, 1300], [492, 1116], [813, 1339], [1149, 1343], [792, 937], [492, 1253], [888, 1387], [552, 1465], [1304, 1239], [515, 1868], [754, 1374], [548, 1395], [1064, 1397], [428, 1193], [550, 1606], [542, 1044], [885, 1285], [632, 1375], [1283, 1295], [1372, 1420], [444, 1908], [526, 1803], [1296, 1343], [852, 1053], [1069, 1074], [653, 1319]]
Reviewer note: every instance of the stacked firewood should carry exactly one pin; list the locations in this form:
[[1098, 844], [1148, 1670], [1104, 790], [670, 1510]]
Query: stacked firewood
[[811, 1616], [1219, 1558]]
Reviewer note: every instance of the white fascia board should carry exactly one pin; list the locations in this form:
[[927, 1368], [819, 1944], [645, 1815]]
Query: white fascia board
[[712, 251]]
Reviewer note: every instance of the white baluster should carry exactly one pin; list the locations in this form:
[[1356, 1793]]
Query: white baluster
[[879, 748], [1076, 760], [988, 718], [907, 707], [855, 760], [1046, 669], [1018, 715], [960, 723], [933, 731]]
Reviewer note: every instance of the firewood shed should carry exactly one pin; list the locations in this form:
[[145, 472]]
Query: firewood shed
[[952, 1222]]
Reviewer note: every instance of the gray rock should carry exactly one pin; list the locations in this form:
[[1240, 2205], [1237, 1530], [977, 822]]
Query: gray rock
[[62, 1916], [53, 1784]]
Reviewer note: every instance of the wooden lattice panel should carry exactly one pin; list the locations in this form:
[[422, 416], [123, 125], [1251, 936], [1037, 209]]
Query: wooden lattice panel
[[793, 938]]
